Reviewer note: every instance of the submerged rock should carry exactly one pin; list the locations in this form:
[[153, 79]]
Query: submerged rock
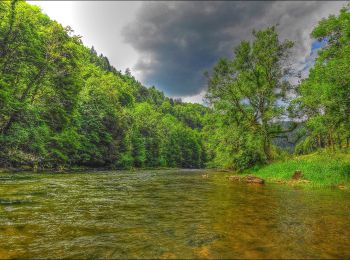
[[247, 179]]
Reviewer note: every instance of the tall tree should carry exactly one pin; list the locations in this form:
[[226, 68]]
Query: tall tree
[[249, 91]]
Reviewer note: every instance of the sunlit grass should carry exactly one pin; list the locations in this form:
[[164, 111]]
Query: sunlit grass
[[320, 169]]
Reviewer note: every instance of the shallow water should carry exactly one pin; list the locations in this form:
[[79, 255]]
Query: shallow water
[[167, 214]]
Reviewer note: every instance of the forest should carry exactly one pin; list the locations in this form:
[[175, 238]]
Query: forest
[[63, 105]]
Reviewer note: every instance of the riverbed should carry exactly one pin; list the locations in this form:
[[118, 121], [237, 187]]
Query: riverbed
[[168, 214]]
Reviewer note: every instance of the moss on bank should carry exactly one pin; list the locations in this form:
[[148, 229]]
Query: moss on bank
[[318, 169]]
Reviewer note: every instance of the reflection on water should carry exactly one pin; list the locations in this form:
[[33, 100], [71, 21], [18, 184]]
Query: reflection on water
[[168, 214]]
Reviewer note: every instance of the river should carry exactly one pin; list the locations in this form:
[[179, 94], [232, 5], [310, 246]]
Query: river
[[167, 214]]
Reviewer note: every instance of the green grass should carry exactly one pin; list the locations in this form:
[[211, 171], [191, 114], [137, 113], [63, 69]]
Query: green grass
[[318, 169]]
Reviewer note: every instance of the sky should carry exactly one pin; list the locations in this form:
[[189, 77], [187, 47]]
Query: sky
[[171, 44]]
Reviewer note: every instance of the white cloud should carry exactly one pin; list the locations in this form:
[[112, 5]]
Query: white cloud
[[99, 23], [195, 98], [61, 11]]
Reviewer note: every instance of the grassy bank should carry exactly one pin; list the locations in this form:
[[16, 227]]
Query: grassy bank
[[318, 169]]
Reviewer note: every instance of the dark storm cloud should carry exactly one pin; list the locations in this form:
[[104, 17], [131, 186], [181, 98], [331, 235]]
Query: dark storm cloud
[[178, 41]]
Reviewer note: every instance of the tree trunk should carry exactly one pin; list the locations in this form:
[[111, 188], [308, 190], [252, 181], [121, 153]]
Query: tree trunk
[[331, 141], [267, 148], [319, 140], [267, 144], [339, 141]]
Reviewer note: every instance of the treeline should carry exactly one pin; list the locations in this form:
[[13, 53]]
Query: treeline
[[255, 106], [63, 105]]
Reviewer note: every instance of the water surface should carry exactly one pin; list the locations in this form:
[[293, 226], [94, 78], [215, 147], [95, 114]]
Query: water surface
[[167, 214]]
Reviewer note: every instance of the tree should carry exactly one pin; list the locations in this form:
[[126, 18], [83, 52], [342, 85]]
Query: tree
[[324, 97], [248, 92], [41, 78]]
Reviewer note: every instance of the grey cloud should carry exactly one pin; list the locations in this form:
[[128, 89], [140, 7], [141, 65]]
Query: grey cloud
[[178, 41]]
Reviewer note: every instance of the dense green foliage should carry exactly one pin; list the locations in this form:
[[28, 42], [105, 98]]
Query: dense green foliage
[[251, 99], [63, 105], [245, 93], [324, 97]]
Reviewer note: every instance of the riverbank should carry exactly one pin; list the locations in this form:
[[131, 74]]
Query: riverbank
[[317, 169], [80, 169]]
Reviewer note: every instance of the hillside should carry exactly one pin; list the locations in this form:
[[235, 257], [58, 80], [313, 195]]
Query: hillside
[[63, 105]]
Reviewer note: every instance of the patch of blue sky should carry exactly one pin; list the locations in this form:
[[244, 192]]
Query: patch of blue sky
[[318, 44], [310, 60]]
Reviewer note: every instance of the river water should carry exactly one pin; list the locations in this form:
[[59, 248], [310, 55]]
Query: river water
[[167, 214]]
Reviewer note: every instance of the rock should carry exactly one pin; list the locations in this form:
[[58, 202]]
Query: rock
[[253, 179], [342, 187], [247, 179], [297, 175]]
